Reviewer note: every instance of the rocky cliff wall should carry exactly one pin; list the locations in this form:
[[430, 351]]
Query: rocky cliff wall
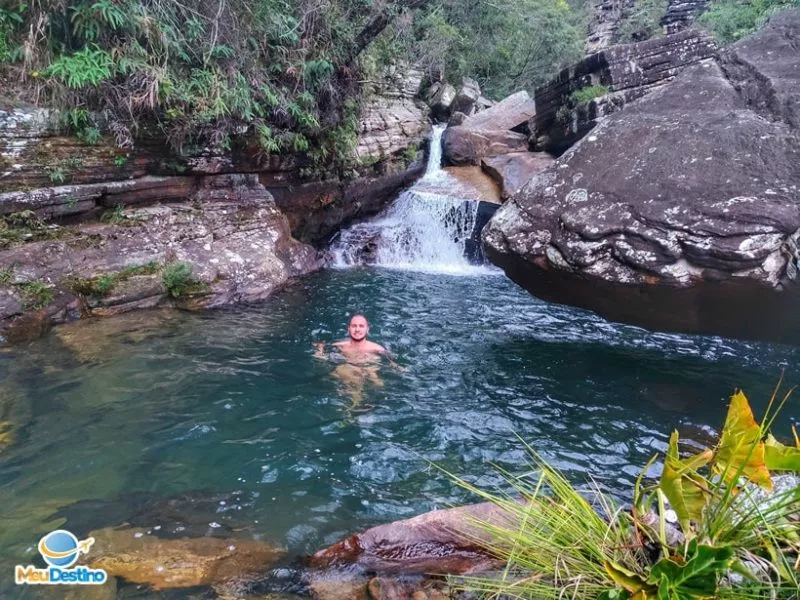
[[616, 76], [682, 211], [87, 228]]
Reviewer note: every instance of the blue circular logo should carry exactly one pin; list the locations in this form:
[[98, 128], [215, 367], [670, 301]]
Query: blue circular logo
[[59, 548]]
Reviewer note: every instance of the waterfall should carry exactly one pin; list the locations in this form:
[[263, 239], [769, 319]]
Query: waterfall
[[424, 229]]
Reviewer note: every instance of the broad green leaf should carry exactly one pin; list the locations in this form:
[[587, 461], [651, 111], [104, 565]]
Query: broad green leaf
[[626, 579], [741, 451], [680, 484], [779, 457], [696, 578]]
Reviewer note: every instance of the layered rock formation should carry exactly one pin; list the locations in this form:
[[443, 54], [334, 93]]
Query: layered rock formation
[[682, 14], [232, 235], [681, 212], [570, 105], [87, 228], [393, 119]]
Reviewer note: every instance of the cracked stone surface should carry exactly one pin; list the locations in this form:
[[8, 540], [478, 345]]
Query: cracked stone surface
[[682, 211]]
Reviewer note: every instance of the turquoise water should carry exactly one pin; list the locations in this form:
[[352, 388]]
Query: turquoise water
[[225, 424]]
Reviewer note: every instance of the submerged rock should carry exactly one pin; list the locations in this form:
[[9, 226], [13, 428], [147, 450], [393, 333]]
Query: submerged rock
[[137, 557], [681, 212]]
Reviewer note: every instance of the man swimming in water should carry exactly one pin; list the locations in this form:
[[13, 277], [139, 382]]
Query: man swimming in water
[[362, 357]]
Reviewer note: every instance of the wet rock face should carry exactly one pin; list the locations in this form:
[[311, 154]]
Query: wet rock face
[[681, 212]]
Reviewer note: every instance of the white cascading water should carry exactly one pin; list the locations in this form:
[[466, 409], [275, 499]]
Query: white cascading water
[[423, 230]]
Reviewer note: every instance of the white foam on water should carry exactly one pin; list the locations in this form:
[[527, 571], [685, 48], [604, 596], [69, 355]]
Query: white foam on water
[[420, 231]]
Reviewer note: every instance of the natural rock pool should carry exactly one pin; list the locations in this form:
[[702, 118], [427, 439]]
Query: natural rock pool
[[225, 424]]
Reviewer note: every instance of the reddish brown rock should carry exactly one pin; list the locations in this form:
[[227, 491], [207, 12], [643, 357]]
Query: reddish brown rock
[[440, 541], [464, 146], [512, 171]]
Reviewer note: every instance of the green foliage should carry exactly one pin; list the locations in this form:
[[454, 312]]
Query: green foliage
[[587, 94], [731, 20], [55, 173], [642, 21], [178, 281], [120, 160], [506, 45], [560, 542], [114, 215], [272, 74], [87, 67], [36, 294], [11, 19], [6, 275]]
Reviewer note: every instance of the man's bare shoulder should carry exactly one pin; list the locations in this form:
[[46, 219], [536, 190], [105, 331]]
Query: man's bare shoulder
[[376, 347]]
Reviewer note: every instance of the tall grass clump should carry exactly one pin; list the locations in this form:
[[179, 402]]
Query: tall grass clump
[[734, 537]]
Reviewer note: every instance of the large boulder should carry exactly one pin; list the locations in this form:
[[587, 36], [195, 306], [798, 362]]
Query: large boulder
[[681, 212], [510, 113], [464, 146], [513, 171], [467, 98], [489, 132]]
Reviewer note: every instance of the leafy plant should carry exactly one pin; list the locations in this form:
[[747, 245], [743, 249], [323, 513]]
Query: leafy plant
[[87, 67], [731, 20], [587, 94], [36, 294], [55, 173], [177, 280], [559, 542], [6, 275]]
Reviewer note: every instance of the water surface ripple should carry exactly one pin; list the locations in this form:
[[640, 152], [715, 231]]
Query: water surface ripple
[[225, 424]]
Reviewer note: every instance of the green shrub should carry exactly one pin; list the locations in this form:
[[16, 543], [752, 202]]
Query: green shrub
[[177, 279], [642, 21], [731, 20], [587, 94]]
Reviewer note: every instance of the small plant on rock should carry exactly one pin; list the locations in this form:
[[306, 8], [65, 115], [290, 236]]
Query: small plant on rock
[[37, 294], [178, 281]]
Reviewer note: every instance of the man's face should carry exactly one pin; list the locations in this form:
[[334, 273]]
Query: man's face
[[358, 328]]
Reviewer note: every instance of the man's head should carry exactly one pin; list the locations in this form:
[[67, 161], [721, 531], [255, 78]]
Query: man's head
[[358, 328]]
